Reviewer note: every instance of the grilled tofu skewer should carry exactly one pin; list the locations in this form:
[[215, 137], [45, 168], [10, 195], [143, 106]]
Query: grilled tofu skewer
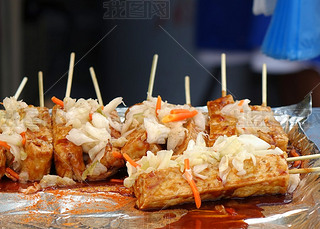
[[28, 134], [4, 146], [227, 117], [234, 167], [86, 137]]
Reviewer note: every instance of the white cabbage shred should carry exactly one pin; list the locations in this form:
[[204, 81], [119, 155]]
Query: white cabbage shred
[[12, 125], [172, 133], [53, 181], [93, 135], [228, 152], [249, 121]]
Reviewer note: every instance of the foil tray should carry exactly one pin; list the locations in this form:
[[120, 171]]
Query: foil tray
[[112, 206]]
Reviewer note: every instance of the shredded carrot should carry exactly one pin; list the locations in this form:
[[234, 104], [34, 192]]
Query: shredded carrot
[[23, 135], [179, 116], [90, 116], [117, 154], [158, 105], [231, 211], [241, 103], [296, 163], [57, 101], [179, 111], [12, 173], [132, 162], [5, 145], [294, 153], [188, 176], [116, 181]]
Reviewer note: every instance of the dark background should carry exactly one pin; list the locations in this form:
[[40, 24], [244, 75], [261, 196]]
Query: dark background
[[40, 35]]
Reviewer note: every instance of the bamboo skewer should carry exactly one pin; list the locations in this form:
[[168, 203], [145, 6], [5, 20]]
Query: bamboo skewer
[[264, 85], [187, 89], [152, 76], [300, 158], [20, 88], [304, 170], [40, 82], [96, 85], [70, 74], [223, 75]]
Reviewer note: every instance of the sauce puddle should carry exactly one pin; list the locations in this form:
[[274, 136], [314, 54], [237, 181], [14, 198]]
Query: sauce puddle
[[226, 213]]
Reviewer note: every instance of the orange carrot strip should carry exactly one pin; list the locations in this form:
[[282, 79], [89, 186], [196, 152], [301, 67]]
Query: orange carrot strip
[[90, 116], [12, 173], [240, 103], [296, 163], [116, 181], [132, 162], [294, 153], [23, 135], [179, 116], [5, 145], [57, 101], [158, 105], [231, 211], [178, 111], [117, 154], [188, 176]]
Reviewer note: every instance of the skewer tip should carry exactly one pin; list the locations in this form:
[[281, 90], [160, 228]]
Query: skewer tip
[[223, 75], [187, 89]]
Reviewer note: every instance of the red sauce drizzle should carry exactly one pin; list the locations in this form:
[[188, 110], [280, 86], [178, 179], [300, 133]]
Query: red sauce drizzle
[[226, 213]]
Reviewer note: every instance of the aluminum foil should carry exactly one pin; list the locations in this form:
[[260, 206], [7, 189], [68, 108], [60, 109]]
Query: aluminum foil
[[105, 207]]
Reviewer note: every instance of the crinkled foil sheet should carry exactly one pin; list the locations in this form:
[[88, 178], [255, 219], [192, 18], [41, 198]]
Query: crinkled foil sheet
[[104, 207]]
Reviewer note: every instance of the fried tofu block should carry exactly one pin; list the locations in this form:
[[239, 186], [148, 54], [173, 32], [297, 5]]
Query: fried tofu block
[[137, 145], [68, 157], [38, 148], [110, 162], [191, 134], [167, 187], [226, 125], [220, 125]]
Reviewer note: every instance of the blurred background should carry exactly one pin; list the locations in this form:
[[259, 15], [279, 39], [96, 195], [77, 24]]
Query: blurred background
[[188, 35]]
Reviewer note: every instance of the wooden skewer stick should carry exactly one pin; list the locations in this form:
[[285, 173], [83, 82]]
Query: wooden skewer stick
[[307, 157], [70, 74], [187, 89], [96, 85], [264, 85], [304, 170], [40, 82], [20, 88], [223, 75], [152, 75]]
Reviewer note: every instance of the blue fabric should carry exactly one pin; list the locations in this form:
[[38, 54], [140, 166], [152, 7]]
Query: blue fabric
[[294, 32], [229, 25]]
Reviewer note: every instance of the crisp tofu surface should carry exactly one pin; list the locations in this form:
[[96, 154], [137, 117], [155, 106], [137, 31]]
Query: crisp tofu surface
[[225, 125], [68, 158], [167, 187], [38, 148]]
